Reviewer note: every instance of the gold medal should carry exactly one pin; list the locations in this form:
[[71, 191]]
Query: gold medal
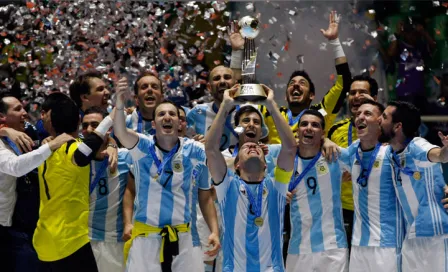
[[417, 175], [259, 221]]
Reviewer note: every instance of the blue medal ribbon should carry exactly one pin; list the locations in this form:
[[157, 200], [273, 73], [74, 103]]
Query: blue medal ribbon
[[255, 203], [99, 174], [12, 145], [293, 184], [140, 125], [396, 163], [292, 121], [160, 165], [365, 173], [228, 124], [235, 151], [350, 131]]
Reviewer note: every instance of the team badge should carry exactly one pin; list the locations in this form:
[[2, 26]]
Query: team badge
[[322, 170], [376, 164], [177, 166], [417, 175]]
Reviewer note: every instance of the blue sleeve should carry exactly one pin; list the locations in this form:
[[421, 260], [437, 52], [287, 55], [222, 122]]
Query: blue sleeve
[[129, 121], [344, 159], [191, 119]]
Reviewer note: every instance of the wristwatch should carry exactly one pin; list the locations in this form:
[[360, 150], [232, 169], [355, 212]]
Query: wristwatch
[[112, 145]]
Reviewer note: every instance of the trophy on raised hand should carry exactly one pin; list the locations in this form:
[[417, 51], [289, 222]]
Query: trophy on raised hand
[[249, 91]]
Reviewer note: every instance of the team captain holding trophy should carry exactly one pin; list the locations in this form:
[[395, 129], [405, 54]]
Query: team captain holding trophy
[[252, 200]]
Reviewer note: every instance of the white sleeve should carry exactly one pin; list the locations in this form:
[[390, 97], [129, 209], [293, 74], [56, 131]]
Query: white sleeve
[[222, 187], [17, 166]]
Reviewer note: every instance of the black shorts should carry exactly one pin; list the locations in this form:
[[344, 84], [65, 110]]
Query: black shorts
[[82, 260]]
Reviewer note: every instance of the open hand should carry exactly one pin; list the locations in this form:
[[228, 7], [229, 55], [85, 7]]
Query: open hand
[[332, 32], [236, 40]]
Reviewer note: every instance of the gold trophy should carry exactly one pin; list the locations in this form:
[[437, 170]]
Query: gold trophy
[[249, 91]]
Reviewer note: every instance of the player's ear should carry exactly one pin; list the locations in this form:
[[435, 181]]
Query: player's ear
[[153, 124]]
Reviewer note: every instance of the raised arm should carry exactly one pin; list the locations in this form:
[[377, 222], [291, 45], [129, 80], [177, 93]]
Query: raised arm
[[127, 137], [440, 154], [288, 150], [332, 34], [237, 42], [334, 98], [215, 160]]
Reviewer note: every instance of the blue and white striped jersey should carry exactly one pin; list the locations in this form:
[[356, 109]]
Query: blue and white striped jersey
[[200, 172], [106, 209], [316, 210], [420, 198], [133, 120], [200, 119], [166, 199], [247, 247], [378, 217]]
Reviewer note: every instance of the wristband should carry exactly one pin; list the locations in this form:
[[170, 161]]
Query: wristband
[[337, 48], [236, 59], [104, 126]]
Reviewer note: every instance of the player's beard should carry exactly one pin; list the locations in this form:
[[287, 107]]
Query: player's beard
[[385, 137], [253, 165]]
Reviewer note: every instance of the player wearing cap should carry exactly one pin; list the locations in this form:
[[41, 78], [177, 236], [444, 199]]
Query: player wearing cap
[[252, 202]]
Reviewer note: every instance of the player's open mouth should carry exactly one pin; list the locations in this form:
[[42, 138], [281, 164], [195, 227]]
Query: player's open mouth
[[250, 134], [167, 126]]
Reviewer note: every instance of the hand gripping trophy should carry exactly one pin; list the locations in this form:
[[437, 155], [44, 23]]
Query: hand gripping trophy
[[249, 91]]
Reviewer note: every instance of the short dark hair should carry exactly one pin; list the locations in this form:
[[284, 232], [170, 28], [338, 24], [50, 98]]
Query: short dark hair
[[246, 109], [3, 106], [373, 85], [304, 75], [81, 86], [96, 109], [64, 113], [408, 115], [315, 113], [181, 109], [374, 103], [145, 74], [167, 102]]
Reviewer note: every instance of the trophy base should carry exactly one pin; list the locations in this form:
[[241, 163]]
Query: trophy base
[[250, 93]]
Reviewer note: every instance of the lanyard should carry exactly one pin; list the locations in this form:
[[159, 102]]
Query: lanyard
[[99, 174], [255, 203], [396, 160], [228, 124], [160, 165], [292, 121], [140, 125], [365, 173], [293, 184], [350, 130], [12, 145], [235, 151]]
